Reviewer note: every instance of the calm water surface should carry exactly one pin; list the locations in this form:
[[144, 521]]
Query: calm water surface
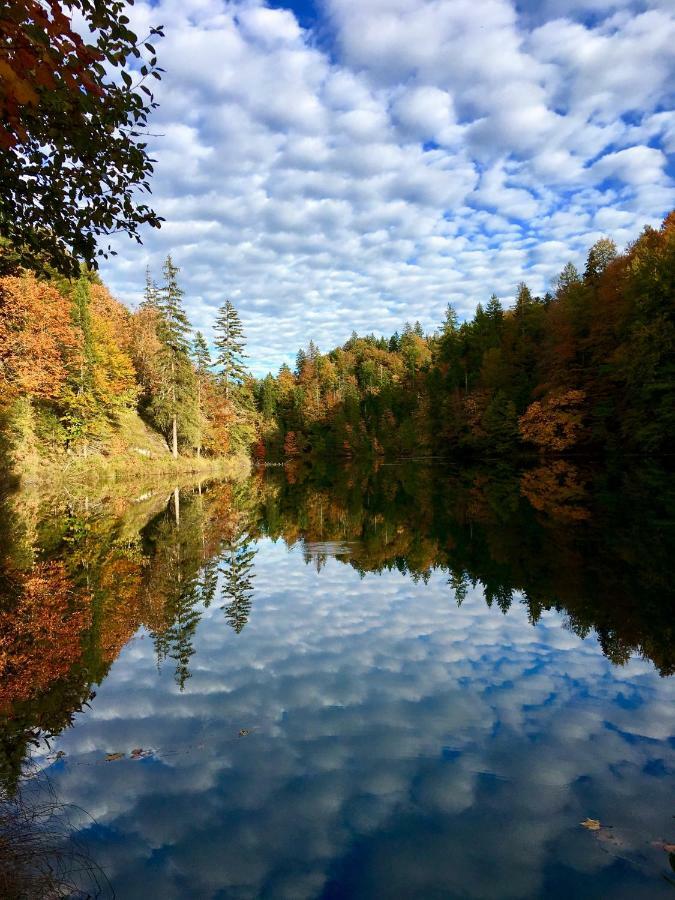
[[404, 682]]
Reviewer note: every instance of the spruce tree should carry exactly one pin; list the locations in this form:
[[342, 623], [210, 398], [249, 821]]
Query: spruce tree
[[151, 294], [494, 310], [568, 277], [173, 333], [300, 360], [202, 361], [230, 344], [237, 574]]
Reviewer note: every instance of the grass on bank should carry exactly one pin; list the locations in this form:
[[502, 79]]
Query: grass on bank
[[132, 451]]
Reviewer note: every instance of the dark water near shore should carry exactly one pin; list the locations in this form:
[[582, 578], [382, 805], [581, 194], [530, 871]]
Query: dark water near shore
[[395, 682]]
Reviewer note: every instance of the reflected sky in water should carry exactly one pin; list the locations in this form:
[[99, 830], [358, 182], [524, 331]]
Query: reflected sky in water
[[394, 745]]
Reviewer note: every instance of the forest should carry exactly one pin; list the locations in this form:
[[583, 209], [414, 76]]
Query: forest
[[588, 368], [81, 374]]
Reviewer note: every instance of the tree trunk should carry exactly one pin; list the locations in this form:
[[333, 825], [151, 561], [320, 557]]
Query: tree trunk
[[176, 505], [174, 448], [199, 411]]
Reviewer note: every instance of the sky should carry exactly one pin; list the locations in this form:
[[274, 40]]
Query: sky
[[393, 738], [340, 165]]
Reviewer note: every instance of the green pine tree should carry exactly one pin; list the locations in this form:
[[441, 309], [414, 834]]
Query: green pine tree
[[202, 362], [172, 406], [230, 344], [237, 568], [151, 294]]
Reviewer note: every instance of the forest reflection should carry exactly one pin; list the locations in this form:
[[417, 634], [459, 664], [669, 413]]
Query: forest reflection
[[79, 577]]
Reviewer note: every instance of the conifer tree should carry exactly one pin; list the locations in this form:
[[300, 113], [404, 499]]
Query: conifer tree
[[173, 333], [202, 361], [300, 360], [494, 310], [230, 344], [568, 277], [180, 634], [208, 581], [151, 293], [237, 574]]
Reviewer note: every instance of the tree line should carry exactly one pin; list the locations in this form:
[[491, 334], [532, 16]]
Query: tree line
[[73, 361], [588, 367]]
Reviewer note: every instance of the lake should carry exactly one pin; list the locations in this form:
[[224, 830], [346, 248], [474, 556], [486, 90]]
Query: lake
[[403, 681]]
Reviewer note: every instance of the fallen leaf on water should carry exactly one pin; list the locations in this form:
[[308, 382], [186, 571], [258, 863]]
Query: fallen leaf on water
[[111, 757], [591, 824], [139, 753]]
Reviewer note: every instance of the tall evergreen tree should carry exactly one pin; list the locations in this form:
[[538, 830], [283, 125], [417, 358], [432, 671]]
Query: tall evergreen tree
[[151, 293], [202, 361], [494, 310], [230, 344], [568, 277], [173, 332], [300, 360], [237, 569]]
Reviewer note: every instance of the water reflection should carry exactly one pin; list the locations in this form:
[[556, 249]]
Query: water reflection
[[311, 730]]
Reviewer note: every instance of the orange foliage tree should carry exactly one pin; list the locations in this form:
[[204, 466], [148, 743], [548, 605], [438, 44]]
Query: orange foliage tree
[[554, 424], [41, 633], [37, 338]]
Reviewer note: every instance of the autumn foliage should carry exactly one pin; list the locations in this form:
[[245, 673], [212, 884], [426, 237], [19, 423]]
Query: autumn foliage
[[73, 360], [37, 339], [40, 633], [554, 423], [589, 367]]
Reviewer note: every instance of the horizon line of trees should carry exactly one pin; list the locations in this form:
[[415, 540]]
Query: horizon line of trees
[[589, 368]]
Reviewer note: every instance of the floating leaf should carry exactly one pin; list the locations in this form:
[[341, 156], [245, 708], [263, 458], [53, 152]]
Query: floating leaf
[[591, 824], [665, 845], [139, 753], [111, 757]]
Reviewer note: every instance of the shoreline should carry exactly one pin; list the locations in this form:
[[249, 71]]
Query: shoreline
[[97, 470]]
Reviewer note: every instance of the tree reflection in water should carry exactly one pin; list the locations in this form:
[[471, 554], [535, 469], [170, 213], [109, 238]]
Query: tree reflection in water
[[79, 578]]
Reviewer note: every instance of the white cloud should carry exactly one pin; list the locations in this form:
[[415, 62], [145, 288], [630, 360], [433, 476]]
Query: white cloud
[[382, 717], [302, 174]]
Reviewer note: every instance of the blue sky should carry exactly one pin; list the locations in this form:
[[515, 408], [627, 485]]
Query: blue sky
[[353, 164], [373, 705]]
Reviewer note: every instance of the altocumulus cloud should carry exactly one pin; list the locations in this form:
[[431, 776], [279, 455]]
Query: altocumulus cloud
[[451, 747], [399, 155]]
